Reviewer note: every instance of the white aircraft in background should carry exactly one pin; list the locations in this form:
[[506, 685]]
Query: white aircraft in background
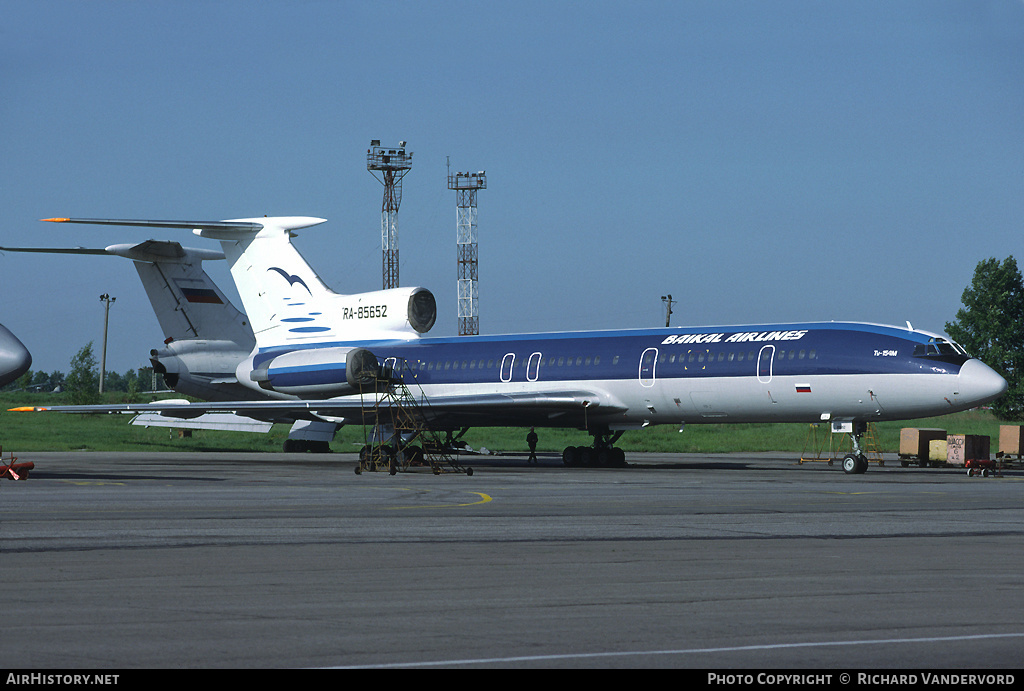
[[14, 357], [317, 352], [206, 337]]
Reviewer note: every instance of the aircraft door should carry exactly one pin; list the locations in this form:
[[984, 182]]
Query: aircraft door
[[533, 367], [648, 365], [765, 362], [506, 367]]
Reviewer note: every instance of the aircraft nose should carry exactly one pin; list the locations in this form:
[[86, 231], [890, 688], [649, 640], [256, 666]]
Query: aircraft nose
[[979, 383], [14, 357]]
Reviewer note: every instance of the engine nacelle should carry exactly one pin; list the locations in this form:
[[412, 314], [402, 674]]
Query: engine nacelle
[[393, 311], [201, 368], [316, 372]]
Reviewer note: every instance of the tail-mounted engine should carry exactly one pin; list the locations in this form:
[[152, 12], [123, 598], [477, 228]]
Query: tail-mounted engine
[[397, 311], [317, 372]]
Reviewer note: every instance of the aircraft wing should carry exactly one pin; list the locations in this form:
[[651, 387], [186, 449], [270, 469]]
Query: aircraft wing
[[468, 410]]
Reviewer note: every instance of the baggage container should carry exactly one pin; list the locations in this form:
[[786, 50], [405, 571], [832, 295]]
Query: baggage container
[[938, 450], [914, 441], [1011, 440], [962, 448]]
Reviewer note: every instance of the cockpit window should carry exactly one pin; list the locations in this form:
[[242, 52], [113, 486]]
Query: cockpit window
[[940, 347]]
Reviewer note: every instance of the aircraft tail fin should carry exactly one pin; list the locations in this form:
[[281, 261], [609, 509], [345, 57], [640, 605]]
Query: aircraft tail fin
[[288, 304], [187, 303], [285, 300]]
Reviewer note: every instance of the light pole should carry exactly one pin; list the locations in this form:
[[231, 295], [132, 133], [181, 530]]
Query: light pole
[[106, 299]]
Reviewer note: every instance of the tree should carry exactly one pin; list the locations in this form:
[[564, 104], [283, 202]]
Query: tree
[[82, 382], [990, 325]]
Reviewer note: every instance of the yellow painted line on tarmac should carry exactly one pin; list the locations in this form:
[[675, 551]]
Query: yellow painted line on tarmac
[[484, 498], [84, 483]]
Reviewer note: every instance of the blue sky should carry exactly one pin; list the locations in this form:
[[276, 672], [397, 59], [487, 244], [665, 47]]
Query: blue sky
[[760, 161]]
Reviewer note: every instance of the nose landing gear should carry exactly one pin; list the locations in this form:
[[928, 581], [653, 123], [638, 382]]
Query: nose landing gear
[[856, 463]]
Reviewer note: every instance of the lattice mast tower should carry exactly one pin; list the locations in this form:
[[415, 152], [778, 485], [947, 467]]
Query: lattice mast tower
[[392, 164], [466, 186]]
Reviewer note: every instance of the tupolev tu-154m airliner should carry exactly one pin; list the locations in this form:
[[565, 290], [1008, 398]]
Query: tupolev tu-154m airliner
[[317, 352]]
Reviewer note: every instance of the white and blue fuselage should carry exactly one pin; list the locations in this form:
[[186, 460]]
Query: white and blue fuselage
[[757, 373]]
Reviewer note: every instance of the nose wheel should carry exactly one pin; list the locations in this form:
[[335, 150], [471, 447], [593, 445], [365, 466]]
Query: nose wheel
[[854, 464]]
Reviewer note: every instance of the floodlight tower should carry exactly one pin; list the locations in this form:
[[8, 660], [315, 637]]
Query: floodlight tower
[[466, 186], [392, 164]]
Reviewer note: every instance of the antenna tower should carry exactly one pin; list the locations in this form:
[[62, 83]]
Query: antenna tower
[[466, 186], [392, 164]]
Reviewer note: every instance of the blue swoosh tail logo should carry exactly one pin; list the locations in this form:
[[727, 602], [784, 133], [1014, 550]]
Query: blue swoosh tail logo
[[291, 278]]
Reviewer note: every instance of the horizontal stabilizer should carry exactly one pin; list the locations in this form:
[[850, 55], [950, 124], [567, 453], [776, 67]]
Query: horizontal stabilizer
[[214, 229], [56, 250], [147, 251], [192, 225]]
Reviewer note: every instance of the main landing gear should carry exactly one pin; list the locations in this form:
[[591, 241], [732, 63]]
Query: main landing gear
[[856, 463], [603, 454]]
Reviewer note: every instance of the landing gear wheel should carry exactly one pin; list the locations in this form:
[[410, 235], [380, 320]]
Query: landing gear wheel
[[854, 464]]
